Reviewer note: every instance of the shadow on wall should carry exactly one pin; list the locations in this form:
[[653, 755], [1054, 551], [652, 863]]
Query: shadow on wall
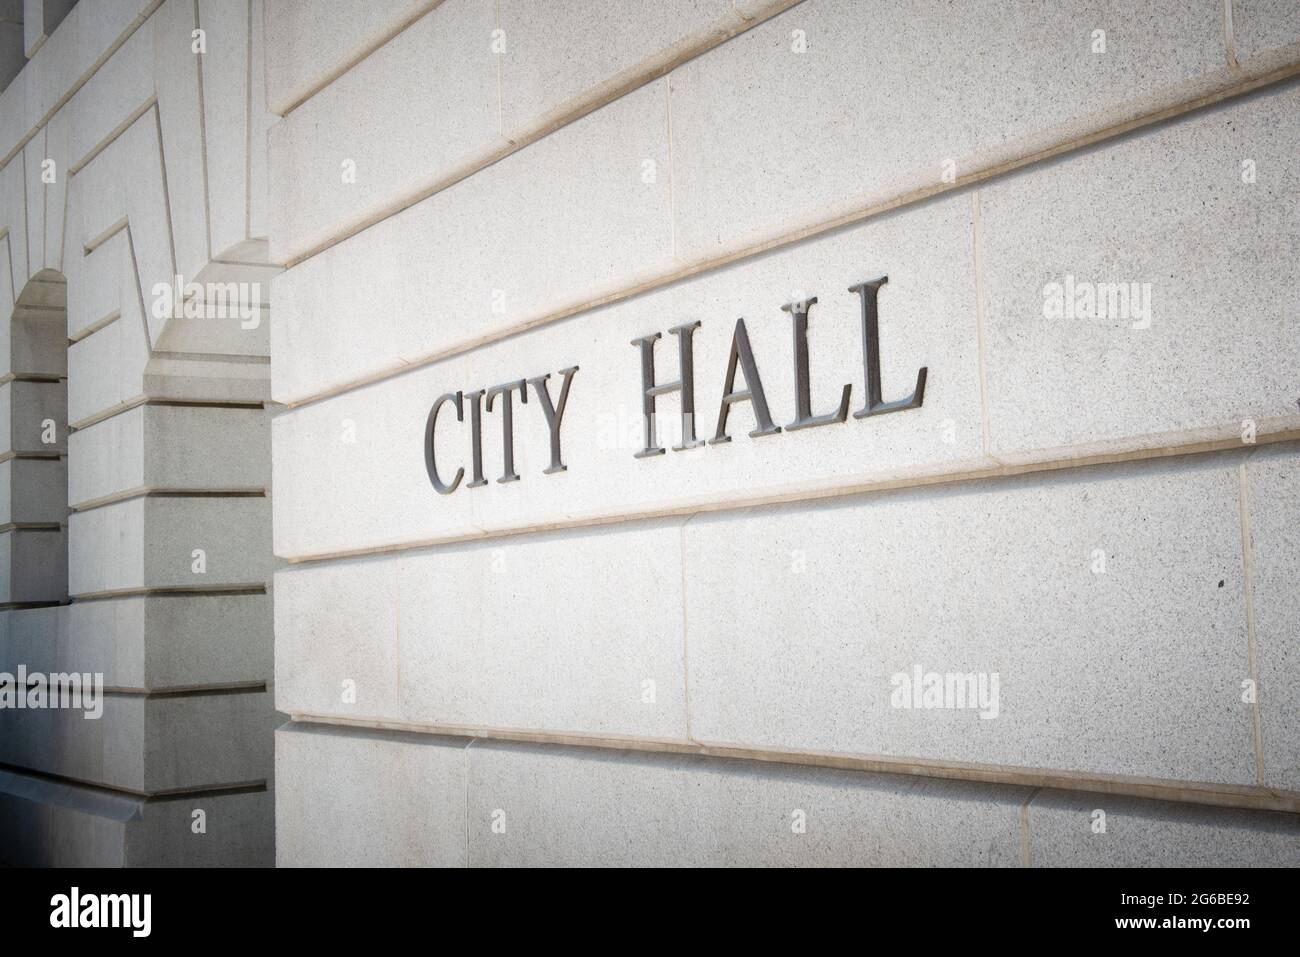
[[33, 460]]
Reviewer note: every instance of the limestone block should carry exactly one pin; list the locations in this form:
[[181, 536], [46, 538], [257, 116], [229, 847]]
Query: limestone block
[[813, 114], [13, 99], [45, 293], [31, 412], [40, 19], [1211, 352], [208, 739], [107, 457], [49, 824], [31, 637], [561, 55], [58, 144], [226, 117], [244, 331], [146, 642], [1266, 34], [13, 211], [37, 343], [67, 58], [52, 73], [310, 42], [1272, 492], [150, 542], [1143, 833], [203, 379], [33, 490], [260, 122], [176, 76], [482, 640], [357, 798], [576, 632], [114, 95], [331, 497], [36, 566], [99, 284], [34, 154], [240, 832], [1109, 603], [171, 447], [147, 744], [66, 743], [108, 20], [215, 448], [125, 181], [419, 110], [336, 639], [53, 824], [672, 810], [553, 225], [176, 641], [106, 369], [7, 490]]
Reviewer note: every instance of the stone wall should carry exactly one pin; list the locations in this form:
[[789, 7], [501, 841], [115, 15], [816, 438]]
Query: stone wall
[[138, 546], [690, 657], [1042, 467]]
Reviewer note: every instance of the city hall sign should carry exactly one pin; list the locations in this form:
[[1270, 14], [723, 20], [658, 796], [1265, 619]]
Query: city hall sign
[[741, 358]]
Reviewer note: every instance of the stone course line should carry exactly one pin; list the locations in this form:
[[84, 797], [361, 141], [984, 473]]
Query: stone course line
[[1215, 795], [784, 240], [813, 495]]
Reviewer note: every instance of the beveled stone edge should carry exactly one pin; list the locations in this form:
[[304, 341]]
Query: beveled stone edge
[[1140, 449], [1184, 792]]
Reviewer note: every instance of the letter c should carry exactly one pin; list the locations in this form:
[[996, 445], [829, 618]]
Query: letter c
[[429, 464]]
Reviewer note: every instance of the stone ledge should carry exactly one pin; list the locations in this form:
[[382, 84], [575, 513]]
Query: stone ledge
[[539, 804], [1064, 832], [48, 823], [147, 744], [161, 642]]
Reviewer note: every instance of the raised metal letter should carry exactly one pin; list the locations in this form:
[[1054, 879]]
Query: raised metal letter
[[476, 439], [553, 415], [429, 464], [803, 417], [508, 424], [686, 384], [753, 391], [871, 357]]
